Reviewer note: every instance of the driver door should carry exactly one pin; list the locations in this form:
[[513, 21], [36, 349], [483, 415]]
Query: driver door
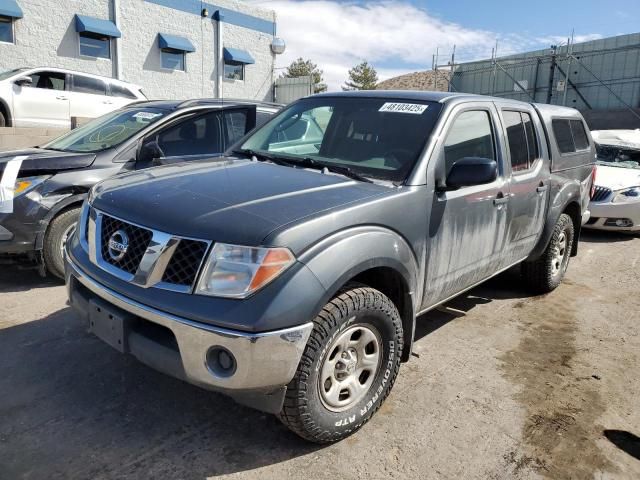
[[467, 227]]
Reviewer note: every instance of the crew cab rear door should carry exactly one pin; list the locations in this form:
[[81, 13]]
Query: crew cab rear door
[[528, 175]]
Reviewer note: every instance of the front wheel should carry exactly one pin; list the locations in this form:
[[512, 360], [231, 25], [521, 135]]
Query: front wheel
[[60, 229], [348, 368], [546, 273]]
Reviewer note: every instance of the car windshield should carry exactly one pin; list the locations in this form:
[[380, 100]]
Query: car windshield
[[372, 137], [616, 156], [107, 131], [11, 73]]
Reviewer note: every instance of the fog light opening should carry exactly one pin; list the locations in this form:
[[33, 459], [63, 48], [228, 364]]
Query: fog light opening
[[221, 362]]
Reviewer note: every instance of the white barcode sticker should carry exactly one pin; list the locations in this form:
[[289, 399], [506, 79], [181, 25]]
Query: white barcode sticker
[[413, 108], [146, 115]]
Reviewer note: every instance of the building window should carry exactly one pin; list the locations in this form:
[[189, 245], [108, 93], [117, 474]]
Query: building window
[[233, 70], [95, 45], [6, 29], [172, 59]]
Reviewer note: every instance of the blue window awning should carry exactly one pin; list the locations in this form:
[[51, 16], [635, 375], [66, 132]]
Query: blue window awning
[[10, 8], [235, 55], [97, 26], [174, 42]]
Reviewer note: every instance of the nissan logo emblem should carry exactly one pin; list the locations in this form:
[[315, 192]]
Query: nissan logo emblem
[[118, 245]]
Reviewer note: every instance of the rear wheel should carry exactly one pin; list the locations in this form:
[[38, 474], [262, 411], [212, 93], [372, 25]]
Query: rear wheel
[[348, 368], [59, 231], [546, 273]]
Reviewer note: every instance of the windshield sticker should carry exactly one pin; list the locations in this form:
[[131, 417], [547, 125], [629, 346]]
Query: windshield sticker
[[8, 183], [413, 108], [146, 115]]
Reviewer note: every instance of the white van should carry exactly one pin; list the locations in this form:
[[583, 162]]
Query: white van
[[50, 97]]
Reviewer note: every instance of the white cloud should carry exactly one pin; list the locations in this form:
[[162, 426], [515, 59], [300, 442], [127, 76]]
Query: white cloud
[[389, 34]]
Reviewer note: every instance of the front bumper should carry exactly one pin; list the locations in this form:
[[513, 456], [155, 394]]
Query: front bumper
[[265, 362], [603, 215]]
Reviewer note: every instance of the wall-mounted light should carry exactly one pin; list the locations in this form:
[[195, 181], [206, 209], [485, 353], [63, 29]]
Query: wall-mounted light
[[205, 12], [278, 46]]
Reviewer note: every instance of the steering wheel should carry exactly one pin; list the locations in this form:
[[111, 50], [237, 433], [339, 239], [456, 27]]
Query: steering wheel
[[393, 158]]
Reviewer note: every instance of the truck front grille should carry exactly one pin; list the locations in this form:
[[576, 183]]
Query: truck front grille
[[601, 194], [139, 239], [151, 259], [185, 262]]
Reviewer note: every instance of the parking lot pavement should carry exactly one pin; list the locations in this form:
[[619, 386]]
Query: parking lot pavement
[[503, 385]]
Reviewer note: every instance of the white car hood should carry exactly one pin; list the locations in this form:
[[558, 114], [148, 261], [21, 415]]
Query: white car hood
[[617, 178]]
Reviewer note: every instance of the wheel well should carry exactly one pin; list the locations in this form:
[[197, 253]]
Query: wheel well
[[5, 111], [573, 210], [392, 284]]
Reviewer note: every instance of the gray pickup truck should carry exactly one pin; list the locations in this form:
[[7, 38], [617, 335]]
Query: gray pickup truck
[[288, 274]]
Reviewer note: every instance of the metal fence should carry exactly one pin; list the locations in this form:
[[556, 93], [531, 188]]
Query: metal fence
[[597, 75], [289, 89]]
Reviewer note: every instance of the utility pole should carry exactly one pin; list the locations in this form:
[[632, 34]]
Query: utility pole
[[566, 76], [552, 70]]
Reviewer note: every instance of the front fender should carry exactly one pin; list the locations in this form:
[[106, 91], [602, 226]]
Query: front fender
[[340, 257]]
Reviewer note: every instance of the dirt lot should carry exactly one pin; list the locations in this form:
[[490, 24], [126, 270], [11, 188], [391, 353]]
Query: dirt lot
[[505, 386]]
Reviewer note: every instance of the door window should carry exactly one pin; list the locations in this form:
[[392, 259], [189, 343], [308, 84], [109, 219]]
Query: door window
[[194, 136], [470, 135], [95, 86], [49, 80], [579, 135], [523, 145], [236, 123], [121, 92]]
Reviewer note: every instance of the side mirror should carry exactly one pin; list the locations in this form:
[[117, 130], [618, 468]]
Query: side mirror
[[24, 81], [150, 151], [470, 171]]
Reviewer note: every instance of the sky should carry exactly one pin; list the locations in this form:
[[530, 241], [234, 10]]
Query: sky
[[399, 37]]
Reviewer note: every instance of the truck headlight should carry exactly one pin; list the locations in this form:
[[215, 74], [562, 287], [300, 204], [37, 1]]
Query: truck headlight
[[628, 195], [236, 271], [24, 185]]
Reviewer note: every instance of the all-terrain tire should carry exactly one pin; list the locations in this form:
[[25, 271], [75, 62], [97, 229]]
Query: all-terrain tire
[[546, 273], [355, 308], [59, 230]]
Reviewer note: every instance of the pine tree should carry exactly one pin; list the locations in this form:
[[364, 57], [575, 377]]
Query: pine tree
[[361, 77], [306, 68]]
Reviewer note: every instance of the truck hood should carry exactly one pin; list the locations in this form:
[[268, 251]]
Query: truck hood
[[226, 200], [617, 178], [39, 160]]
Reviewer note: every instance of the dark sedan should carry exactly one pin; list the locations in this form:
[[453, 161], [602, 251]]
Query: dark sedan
[[42, 189]]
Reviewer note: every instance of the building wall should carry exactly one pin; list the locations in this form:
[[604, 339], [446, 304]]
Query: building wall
[[46, 36], [615, 61]]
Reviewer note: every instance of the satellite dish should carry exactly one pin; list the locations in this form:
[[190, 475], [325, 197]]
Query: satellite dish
[[278, 46]]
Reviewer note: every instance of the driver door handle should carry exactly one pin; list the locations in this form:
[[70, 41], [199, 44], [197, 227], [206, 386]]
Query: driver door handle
[[62, 97], [541, 188], [500, 199]]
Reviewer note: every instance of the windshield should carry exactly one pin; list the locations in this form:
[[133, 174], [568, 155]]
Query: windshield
[[107, 131], [373, 137], [618, 156], [11, 73]]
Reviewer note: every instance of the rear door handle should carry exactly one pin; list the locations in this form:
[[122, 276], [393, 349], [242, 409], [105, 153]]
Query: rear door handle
[[62, 98], [541, 188]]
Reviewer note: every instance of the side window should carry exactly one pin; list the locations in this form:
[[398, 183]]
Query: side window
[[122, 92], [469, 136], [95, 86], [523, 145], [579, 135], [517, 141], [564, 139], [236, 123], [262, 118], [49, 80], [193, 136]]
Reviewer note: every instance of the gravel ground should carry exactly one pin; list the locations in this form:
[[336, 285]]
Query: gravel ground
[[503, 385]]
